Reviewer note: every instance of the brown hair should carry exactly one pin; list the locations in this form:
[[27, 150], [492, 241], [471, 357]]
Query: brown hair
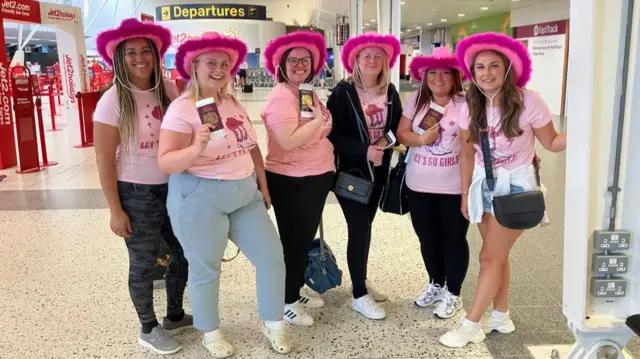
[[129, 122], [426, 96], [511, 105], [282, 71]]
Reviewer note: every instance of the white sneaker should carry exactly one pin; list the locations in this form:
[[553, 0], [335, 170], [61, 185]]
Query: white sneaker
[[449, 306], [368, 307], [432, 294], [498, 321], [377, 296], [467, 332], [310, 301], [294, 314]]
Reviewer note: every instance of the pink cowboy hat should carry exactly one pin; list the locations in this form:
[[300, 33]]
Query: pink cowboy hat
[[108, 40], [389, 43], [209, 41], [441, 58], [311, 41], [513, 49]]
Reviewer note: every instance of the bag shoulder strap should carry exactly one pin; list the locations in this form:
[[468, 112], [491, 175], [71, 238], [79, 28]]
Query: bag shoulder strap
[[361, 131], [488, 163]]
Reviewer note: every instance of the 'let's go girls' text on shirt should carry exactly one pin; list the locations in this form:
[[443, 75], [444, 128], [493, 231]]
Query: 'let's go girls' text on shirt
[[375, 110], [227, 157], [312, 158], [141, 163], [435, 168], [512, 153]]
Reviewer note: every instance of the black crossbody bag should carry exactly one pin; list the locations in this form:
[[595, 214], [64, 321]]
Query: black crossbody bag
[[350, 186], [515, 210]]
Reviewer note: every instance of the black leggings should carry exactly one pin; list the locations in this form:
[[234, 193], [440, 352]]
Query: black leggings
[[442, 230], [359, 219], [298, 203]]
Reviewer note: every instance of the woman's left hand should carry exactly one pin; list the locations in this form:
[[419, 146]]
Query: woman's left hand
[[266, 196]]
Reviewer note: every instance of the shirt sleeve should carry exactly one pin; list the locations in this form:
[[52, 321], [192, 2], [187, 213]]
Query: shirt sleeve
[[279, 113], [176, 117], [464, 121], [537, 110], [410, 107], [107, 110]]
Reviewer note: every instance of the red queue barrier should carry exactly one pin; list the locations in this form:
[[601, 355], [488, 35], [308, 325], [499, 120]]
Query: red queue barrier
[[43, 143], [52, 110], [25, 122], [87, 103]]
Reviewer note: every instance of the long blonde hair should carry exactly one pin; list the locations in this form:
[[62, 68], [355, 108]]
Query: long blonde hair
[[193, 87], [383, 79], [129, 121]]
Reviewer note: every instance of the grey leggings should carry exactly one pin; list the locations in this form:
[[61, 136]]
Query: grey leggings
[[205, 213], [146, 207]]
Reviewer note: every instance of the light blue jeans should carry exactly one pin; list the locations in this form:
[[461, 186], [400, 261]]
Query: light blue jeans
[[486, 196], [204, 214]]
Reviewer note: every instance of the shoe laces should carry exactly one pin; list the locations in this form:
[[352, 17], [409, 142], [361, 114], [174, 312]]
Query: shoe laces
[[431, 291]]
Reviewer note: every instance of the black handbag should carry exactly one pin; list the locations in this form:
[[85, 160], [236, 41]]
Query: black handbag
[[515, 210], [349, 186], [394, 197]]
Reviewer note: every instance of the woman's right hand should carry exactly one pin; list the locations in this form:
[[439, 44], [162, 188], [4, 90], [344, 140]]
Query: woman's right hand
[[464, 207], [120, 224], [374, 154], [431, 135], [201, 137]]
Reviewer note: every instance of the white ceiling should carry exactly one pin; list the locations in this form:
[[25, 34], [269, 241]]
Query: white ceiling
[[424, 12]]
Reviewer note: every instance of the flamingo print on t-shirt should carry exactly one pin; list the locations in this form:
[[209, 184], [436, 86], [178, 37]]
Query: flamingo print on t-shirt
[[513, 152], [241, 133], [375, 110]]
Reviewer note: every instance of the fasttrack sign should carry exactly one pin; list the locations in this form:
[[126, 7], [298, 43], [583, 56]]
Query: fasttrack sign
[[211, 11]]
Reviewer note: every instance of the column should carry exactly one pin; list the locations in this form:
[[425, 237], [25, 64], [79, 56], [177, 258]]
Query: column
[[355, 17], [598, 106], [389, 12]]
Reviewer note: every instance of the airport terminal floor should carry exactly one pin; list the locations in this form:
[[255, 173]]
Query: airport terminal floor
[[64, 283]]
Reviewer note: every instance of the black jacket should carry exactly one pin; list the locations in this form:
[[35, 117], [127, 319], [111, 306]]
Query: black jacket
[[349, 135]]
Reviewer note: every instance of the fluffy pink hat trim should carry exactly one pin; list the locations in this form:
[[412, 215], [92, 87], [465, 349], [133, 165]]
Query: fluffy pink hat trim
[[209, 41], [441, 58], [388, 43], [107, 41], [513, 49], [311, 41]]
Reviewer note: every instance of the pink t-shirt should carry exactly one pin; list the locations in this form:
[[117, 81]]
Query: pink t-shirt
[[514, 152], [375, 110], [312, 158], [141, 164], [225, 158], [435, 168]]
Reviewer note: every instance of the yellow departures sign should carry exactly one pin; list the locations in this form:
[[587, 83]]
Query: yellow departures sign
[[208, 11]]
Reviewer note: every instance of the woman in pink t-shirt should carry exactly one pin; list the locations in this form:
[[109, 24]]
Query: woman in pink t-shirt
[[433, 178], [126, 130], [364, 107], [218, 189], [509, 118], [299, 164]]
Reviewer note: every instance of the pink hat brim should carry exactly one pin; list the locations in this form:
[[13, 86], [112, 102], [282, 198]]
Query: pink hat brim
[[513, 49], [388, 43], [107, 41], [420, 64], [191, 49], [311, 41]]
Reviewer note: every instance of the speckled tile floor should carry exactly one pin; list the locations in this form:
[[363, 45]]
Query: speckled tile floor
[[64, 292]]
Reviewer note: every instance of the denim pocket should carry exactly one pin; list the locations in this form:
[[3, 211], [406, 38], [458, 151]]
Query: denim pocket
[[190, 184]]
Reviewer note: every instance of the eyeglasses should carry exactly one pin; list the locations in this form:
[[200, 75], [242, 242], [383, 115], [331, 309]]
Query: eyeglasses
[[294, 61], [373, 58], [212, 65]]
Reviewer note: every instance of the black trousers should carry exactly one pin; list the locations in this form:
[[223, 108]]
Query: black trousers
[[298, 203], [146, 206], [442, 230], [359, 219]]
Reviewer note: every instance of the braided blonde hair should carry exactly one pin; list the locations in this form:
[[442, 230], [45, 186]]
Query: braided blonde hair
[[129, 121]]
